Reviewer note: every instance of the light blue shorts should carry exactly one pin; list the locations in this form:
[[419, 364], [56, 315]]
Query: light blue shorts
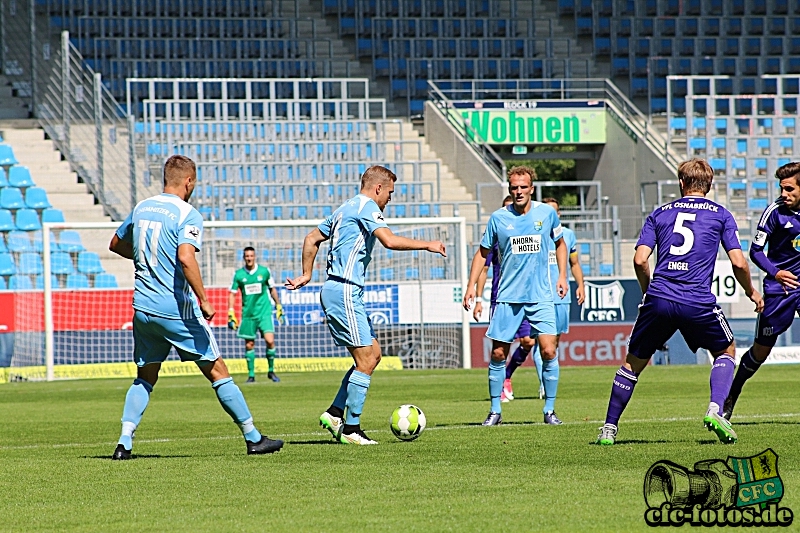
[[508, 317], [153, 336], [562, 318], [343, 305]]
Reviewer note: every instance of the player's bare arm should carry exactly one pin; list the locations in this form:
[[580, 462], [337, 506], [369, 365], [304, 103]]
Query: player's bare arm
[[641, 264], [577, 273], [562, 286], [121, 248], [741, 271], [191, 270], [476, 313], [310, 248], [478, 263], [395, 242]]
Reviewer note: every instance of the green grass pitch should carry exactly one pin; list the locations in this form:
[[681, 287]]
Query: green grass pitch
[[191, 472]]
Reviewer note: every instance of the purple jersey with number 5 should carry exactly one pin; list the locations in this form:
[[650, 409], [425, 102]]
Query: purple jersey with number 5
[[686, 235]]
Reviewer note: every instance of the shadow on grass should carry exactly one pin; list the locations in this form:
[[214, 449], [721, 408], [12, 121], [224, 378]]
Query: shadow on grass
[[514, 423], [311, 442], [707, 441], [624, 442], [766, 422], [138, 456]]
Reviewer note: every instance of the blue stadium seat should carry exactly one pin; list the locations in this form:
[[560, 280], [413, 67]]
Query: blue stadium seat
[[61, 263], [437, 272], [52, 215], [606, 269], [412, 273], [89, 263], [3, 178], [105, 281], [36, 198], [28, 220], [7, 156], [19, 241], [30, 263], [586, 269], [39, 283], [3, 284], [11, 198], [7, 265], [387, 274], [20, 176], [77, 281], [70, 241], [20, 282]]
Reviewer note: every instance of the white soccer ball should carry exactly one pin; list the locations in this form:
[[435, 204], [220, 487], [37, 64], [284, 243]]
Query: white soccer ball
[[407, 422]]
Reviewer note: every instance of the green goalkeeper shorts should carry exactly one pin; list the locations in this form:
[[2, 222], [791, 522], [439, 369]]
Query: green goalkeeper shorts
[[250, 326]]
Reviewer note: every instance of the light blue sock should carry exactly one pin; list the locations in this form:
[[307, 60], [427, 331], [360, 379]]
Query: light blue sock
[[135, 403], [357, 388], [537, 359], [497, 373], [341, 397], [550, 374], [232, 400]]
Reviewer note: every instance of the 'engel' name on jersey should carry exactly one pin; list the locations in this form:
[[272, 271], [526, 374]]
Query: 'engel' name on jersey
[[526, 244]]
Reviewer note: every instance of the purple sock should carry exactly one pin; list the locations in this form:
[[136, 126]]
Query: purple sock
[[520, 354], [721, 378], [621, 392], [747, 367]]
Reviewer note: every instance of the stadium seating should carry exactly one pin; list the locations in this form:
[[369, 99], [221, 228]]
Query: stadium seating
[[20, 176], [7, 156], [77, 281], [105, 281], [89, 263], [20, 282]]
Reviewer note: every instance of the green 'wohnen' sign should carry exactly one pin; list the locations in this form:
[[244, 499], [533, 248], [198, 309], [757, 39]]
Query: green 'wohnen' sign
[[546, 126]]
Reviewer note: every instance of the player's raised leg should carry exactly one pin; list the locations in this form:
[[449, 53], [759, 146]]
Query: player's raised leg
[[537, 360], [749, 364], [517, 358]]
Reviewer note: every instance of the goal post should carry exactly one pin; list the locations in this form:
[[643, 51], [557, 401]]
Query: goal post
[[78, 324]]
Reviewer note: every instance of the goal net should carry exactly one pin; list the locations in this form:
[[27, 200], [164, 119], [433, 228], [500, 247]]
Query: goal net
[[75, 321]]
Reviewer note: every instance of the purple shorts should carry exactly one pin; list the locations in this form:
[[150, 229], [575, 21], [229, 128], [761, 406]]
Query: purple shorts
[[524, 328], [778, 315], [659, 319]]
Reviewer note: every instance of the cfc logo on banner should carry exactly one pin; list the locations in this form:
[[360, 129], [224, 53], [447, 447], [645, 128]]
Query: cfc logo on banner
[[603, 302]]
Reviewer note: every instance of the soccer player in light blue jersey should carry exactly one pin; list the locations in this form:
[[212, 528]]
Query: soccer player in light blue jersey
[[353, 229], [525, 233], [562, 306], [171, 308]]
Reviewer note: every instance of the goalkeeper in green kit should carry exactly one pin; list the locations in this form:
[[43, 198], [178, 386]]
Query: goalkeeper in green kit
[[255, 284]]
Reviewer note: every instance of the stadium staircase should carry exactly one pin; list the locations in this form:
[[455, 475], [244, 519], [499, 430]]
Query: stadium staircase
[[64, 192]]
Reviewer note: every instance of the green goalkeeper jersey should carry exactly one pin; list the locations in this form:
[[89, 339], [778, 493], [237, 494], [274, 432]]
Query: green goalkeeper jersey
[[254, 286]]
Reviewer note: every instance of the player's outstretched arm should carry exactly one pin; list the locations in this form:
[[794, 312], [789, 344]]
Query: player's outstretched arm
[[120, 247], [191, 271], [476, 313], [741, 271], [478, 262], [641, 264], [310, 248], [577, 273], [395, 242]]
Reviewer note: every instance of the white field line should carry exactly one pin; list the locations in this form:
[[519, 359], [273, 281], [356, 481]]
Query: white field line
[[434, 428]]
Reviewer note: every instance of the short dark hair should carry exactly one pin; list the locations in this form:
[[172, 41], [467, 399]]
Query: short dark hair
[[507, 199], [696, 174], [248, 249], [788, 170], [377, 173], [176, 167], [551, 200], [519, 170]]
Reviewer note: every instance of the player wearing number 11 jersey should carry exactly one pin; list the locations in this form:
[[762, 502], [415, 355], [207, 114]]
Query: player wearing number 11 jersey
[[687, 233], [161, 236]]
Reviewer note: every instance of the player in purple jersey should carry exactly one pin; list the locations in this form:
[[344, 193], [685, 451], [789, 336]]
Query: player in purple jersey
[[779, 230], [687, 233], [493, 260]]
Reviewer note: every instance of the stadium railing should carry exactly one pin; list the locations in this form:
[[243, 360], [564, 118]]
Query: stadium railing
[[288, 151], [183, 9]]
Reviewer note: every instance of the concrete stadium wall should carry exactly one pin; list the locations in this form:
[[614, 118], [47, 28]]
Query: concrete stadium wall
[[460, 158]]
